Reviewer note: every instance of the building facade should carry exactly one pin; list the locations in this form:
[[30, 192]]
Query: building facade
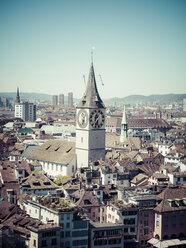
[[73, 226], [61, 99], [55, 100], [24, 110], [70, 99]]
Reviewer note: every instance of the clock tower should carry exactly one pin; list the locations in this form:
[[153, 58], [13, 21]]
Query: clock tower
[[90, 125]]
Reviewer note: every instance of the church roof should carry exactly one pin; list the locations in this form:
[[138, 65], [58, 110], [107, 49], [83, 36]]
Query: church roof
[[91, 98], [54, 151]]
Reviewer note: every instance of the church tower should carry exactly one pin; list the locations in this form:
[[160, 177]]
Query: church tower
[[17, 97], [124, 126], [90, 125]]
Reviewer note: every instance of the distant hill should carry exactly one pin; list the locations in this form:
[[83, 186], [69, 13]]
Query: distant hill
[[132, 99], [31, 96]]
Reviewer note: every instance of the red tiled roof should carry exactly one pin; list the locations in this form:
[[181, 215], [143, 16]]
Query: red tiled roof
[[171, 194], [147, 123]]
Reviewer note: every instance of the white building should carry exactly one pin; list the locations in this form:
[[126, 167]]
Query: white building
[[173, 158], [127, 215], [165, 148], [24, 110], [57, 157], [177, 177]]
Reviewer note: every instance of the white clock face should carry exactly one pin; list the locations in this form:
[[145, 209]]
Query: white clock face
[[97, 118], [82, 118]]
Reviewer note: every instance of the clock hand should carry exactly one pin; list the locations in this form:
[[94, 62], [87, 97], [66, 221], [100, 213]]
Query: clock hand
[[97, 119]]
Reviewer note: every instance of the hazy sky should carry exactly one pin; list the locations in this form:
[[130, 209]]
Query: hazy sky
[[140, 46]]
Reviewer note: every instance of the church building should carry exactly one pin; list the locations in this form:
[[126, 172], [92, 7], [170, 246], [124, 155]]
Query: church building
[[90, 125]]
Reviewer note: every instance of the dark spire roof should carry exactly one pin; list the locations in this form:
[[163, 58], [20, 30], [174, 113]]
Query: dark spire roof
[[91, 98], [18, 97]]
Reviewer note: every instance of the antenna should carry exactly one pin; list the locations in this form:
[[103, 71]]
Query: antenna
[[84, 79], [101, 80], [92, 53]]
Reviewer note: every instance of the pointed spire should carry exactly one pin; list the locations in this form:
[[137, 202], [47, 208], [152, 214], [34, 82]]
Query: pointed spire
[[91, 98], [18, 97], [124, 126], [124, 119]]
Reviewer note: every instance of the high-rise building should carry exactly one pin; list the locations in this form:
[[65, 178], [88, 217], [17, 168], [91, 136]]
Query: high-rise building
[[184, 105], [55, 100], [70, 99], [90, 126], [24, 110], [61, 99]]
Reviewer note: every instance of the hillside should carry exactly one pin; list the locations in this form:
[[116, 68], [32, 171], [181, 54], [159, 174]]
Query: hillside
[[132, 99]]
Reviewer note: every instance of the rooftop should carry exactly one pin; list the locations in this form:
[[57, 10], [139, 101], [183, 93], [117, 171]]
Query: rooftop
[[56, 151]]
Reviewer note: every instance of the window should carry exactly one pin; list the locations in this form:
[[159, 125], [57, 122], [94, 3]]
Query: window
[[81, 233], [81, 139], [146, 232], [157, 223], [80, 242], [146, 223], [80, 224], [54, 242], [67, 225], [62, 234], [43, 243], [68, 234], [146, 214], [34, 243], [67, 244]]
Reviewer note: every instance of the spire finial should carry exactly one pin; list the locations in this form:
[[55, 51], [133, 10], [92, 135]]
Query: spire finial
[[92, 53]]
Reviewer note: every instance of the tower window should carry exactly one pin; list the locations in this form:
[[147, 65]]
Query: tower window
[[81, 139]]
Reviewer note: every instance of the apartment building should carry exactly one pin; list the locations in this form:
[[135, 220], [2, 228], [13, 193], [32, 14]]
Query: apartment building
[[102, 235], [127, 214], [73, 225]]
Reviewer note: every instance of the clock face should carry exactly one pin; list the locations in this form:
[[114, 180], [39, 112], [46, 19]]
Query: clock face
[[97, 118], [82, 118]]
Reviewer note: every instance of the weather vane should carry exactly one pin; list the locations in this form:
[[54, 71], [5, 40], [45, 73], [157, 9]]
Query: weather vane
[[92, 53]]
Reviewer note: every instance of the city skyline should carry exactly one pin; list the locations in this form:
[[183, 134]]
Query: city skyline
[[139, 46]]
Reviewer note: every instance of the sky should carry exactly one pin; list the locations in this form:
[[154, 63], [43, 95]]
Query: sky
[[140, 46]]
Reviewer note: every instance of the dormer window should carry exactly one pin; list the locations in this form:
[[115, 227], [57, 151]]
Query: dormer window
[[87, 202]]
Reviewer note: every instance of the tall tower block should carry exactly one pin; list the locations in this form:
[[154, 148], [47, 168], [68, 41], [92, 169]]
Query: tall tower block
[[90, 125], [124, 126]]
